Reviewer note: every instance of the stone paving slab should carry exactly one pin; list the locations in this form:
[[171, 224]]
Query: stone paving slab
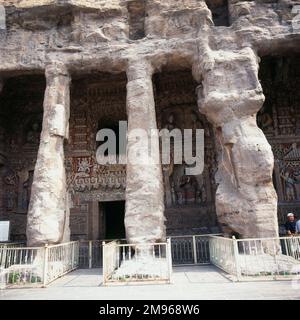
[[189, 283]]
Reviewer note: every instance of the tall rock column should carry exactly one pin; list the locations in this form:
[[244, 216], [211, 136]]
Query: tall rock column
[[144, 219], [48, 214], [230, 96]]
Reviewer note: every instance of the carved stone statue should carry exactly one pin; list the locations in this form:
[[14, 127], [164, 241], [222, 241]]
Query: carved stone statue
[[10, 178], [201, 194], [171, 123], [297, 183], [33, 135], [264, 120], [10, 199], [26, 191], [289, 183], [187, 190], [170, 197]]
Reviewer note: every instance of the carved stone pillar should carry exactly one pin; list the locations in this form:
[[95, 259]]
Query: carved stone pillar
[[144, 219], [48, 213], [230, 97]]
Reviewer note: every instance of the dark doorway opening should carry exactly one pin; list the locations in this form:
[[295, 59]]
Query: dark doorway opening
[[114, 214], [115, 128]]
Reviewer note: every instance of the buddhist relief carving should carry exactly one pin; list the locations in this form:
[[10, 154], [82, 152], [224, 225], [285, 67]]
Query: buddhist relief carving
[[180, 188], [280, 121], [288, 164], [26, 190], [10, 179], [94, 105], [87, 175]]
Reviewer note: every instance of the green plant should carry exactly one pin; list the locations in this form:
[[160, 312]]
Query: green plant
[[14, 277]]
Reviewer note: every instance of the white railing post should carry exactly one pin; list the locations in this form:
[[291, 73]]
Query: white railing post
[[3, 257], [169, 257], [45, 269], [90, 254], [275, 258], [2, 278], [236, 258], [77, 254], [195, 250], [73, 254], [103, 263], [210, 249]]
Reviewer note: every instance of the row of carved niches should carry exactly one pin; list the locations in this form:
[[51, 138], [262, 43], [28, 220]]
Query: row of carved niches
[[176, 108], [97, 101], [107, 21], [280, 79], [79, 215]]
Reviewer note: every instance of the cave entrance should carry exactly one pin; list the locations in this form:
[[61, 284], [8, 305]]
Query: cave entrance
[[114, 215], [21, 118], [189, 200], [98, 101], [279, 118]]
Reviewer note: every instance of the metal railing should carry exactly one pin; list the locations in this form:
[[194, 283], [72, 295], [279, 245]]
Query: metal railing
[[274, 258], [60, 259], [223, 254], [190, 249], [11, 244], [110, 261], [18, 266], [90, 254], [186, 250], [259, 258], [131, 263], [36, 266]]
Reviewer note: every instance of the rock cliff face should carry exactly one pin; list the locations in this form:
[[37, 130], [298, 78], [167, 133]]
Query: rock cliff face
[[221, 42]]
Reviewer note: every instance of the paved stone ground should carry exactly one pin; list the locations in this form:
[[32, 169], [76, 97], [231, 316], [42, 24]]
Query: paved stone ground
[[189, 283]]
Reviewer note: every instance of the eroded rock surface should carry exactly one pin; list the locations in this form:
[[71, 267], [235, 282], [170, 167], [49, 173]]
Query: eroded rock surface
[[86, 36], [48, 214]]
